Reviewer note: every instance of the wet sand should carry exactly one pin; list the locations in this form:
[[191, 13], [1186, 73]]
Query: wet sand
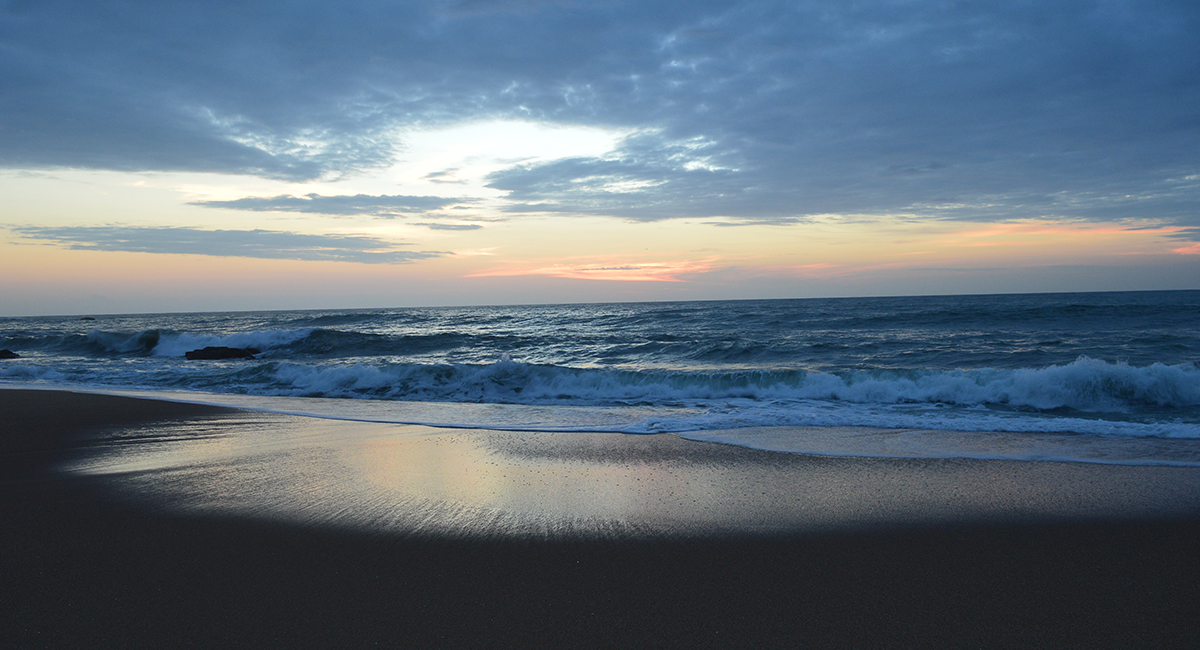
[[136, 523]]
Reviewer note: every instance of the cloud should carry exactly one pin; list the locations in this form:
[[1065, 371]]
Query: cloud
[[265, 244], [444, 176], [450, 226], [742, 108], [1185, 234], [645, 179], [360, 204]]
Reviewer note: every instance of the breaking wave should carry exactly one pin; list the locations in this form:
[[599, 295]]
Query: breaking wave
[[1087, 385], [1110, 364]]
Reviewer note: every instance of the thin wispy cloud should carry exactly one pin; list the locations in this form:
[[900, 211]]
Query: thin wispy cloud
[[359, 204], [444, 176], [1185, 234], [265, 244], [451, 226]]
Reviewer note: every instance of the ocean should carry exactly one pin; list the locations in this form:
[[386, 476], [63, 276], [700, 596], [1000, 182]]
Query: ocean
[[1092, 377]]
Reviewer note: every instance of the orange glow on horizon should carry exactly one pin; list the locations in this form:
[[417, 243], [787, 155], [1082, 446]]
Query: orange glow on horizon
[[638, 272], [1049, 231], [547, 259]]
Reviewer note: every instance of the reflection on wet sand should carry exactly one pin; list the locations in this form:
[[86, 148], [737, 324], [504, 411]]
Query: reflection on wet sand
[[402, 479]]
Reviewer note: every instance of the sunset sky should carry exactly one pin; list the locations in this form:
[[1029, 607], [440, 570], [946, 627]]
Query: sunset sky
[[196, 156]]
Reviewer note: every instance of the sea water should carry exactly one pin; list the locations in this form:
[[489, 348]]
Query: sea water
[[1101, 377]]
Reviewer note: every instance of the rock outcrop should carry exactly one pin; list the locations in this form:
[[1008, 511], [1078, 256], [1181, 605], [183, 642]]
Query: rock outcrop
[[221, 352], [8, 354]]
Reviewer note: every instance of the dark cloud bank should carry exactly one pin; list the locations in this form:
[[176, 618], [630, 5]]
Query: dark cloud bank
[[764, 111]]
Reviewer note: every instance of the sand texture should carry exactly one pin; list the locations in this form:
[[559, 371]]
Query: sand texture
[[137, 523]]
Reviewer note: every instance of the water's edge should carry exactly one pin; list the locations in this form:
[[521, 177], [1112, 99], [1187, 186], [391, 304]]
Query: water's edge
[[831, 440]]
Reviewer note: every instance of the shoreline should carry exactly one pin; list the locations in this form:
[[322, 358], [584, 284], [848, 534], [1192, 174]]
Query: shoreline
[[85, 566], [828, 441]]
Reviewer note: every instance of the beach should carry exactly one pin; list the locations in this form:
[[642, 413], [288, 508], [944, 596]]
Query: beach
[[118, 533]]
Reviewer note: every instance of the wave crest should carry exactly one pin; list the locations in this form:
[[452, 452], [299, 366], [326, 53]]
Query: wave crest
[[1088, 385], [167, 343]]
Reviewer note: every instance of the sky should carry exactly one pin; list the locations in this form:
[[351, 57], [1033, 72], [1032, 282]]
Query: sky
[[198, 156]]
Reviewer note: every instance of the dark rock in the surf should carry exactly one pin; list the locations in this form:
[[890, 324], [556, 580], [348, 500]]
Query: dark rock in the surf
[[87, 318], [9, 354], [221, 352]]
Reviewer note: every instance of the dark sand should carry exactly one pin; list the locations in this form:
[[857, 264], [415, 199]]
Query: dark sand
[[838, 553]]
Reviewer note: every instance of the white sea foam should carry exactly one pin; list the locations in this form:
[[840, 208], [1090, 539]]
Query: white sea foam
[[985, 445], [1121, 366], [22, 372], [1087, 396], [811, 428], [177, 344], [1087, 385]]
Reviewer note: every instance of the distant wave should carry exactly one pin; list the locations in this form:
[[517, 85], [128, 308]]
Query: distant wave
[[163, 342], [291, 343]]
